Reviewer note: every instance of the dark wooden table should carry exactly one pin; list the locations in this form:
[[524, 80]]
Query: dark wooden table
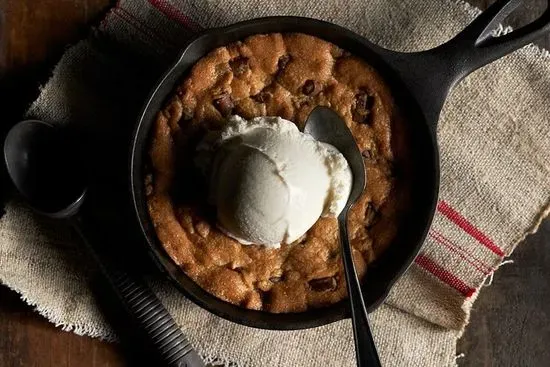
[[510, 323]]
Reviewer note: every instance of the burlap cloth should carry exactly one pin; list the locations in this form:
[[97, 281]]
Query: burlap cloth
[[494, 136]]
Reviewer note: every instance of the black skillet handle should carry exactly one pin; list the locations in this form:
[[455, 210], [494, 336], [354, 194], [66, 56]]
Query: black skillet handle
[[476, 46], [146, 311], [431, 74]]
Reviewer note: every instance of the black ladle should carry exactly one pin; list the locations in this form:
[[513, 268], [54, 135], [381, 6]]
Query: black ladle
[[327, 126], [43, 166]]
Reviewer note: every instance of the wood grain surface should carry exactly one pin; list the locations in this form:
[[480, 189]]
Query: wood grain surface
[[510, 323], [26, 339]]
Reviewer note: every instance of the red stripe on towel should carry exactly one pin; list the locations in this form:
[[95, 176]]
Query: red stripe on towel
[[140, 26], [468, 227], [131, 21], [174, 13], [465, 255], [444, 275]]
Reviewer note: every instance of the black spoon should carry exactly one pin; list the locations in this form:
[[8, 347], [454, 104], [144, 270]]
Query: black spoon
[[43, 166], [327, 126]]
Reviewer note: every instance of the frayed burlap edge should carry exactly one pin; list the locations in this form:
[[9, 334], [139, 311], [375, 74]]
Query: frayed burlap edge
[[531, 51]]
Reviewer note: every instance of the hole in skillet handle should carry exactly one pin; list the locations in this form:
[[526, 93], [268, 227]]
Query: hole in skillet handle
[[430, 75], [477, 45], [505, 13]]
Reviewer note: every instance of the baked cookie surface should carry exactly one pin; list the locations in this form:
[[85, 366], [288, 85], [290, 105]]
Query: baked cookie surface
[[284, 75]]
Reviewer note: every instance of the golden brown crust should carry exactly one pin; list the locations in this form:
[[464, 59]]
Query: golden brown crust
[[283, 75]]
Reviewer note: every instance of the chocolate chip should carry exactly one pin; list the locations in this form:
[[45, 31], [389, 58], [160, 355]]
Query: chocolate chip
[[239, 65], [323, 284], [370, 154], [362, 109], [224, 104], [371, 216], [261, 97], [366, 154], [302, 239], [363, 100], [308, 87], [265, 297], [282, 63]]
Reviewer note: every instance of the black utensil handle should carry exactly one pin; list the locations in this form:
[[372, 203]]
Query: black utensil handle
[[365, 348], [165, 335], [145, 309]]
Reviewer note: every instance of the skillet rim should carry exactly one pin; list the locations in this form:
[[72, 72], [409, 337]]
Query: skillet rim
[[164, 87]]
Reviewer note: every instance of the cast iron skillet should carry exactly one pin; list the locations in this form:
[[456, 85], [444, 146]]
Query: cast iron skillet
[[420, 82]]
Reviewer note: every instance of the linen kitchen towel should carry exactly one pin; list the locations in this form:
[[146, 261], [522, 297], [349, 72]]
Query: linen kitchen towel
[[494, 136]]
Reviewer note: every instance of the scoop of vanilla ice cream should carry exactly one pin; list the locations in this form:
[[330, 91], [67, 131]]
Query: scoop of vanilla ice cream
[[271, 183]]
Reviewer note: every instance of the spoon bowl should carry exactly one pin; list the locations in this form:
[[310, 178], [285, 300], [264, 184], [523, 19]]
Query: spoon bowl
[[327, 126], [40, 161], [47, 168]]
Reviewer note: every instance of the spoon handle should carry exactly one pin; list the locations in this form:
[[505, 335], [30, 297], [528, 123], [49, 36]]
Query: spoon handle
[[365, 349], [145, 309]]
